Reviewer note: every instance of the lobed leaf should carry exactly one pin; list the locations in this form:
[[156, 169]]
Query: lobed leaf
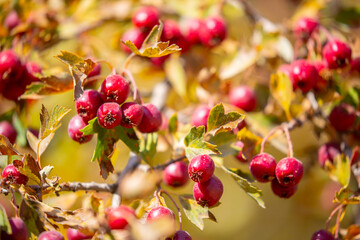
[[340, 170], [76, 62]]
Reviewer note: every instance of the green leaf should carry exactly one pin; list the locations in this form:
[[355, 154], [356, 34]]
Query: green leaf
[[340, 170], [92, 127], [173, 123], [21, 131], [4, 221], [76, 62], [159, 49], [195, 144], [148, 147], [129, 137], [153, 37], [30, 216], [282, 90]]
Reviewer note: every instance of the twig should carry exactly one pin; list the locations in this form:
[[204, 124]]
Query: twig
[[78, 186], [177, 207], [162, 166], [267, 137]]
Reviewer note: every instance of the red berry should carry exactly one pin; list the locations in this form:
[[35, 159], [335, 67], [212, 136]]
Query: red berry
[[132, 114], [355, 65], [208, 193], [176, 174], [322, 235], [146, 18], [243, 97], [136, 36], [193, 27], [118, 217], [289, 171], [12, 20], [95, 72], [328, 152], [114, 89], [32, 69], [74, 234], [337, 54], [201, 168], [239, 156], [18, 228], [88, 104], [304, 75], [151, 120], [109, 115], [13, 90], [160, 213], [159, 61], [213, 31], [51, 235], [182, 235], [304, 27], [172, 33], [342, 117], [282, 191], [262, 167], [12, 175], [75, 124], [10, 66], [200, 116], [7, 130]]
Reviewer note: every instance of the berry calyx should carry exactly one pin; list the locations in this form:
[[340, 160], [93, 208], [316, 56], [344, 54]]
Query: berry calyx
[[75, 124], [208, 193], [114, 88], [132, 114], [88, 104], [11, 174], [118, 217], [322, 235], [239, 155], [289, 171], [282, 191], [201, 168], [51, 235], [200, 116], [262, 167], [74, 234], [243, 97], [213, 31], [303, 75], [182, 235], [337, 54], [146, 18], [136, 36], [176, 174], [342, 117], [18, 228], [160, 213], [151, 120], [328, 152], [7, 130], [304, 27], [109, 115]]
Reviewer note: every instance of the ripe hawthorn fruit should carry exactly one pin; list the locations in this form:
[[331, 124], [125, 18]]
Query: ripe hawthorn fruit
[[201, 168], [114, 88], [208, 193], [262, 167], [118, 217], [74, 234], [151, 120], [172, 33], [243, 97], [213, 31], [146, 18], [132, 114], [7, 130], [200, 116], [282, 191], [182, 235], [304, 75], [328, 152], [337, 54], [176, 174], [75, 124], [304, 28], [193, 27], [136, 36], [289, 171], [51, 235], [160, 213], [342, 117], [12, 175], [18, 228], [11, 68], [322, 235], [88, 104], [109, 115]]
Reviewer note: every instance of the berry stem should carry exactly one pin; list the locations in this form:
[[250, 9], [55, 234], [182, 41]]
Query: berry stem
[[112, 69], [163, 166], [311, 48], [298, 44], [266, 138], [338, 220], [287, 134], [332, 215], [127, 61], [136, 95], [177, 207], [327, 33]]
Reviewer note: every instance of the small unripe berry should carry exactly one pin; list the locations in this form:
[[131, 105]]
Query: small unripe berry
[[289, 171], [322, 235], [328, 152], [7, 130], [201, 168], [160, 213], [18, 228], [200, 116], [193, 27], [282, 191], [74, 234], [12, 20], [51, 235], [182, 235], [176, 174], [75, 124], [114, 89], [109, 115], [146, 18], [208, 193], [88, 104], [243, 97], [303, 75], [12, 175], [151, 120], [262, 167], [118, 217], [337, 54], [304, 27], [136, 36], [132, 114], [342, 117], [213, 31]]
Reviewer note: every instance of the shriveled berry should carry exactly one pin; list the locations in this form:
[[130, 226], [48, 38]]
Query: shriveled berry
[[342, 117], [160, 213], [12, 20], [151, 120], [114, 89], [282, 191], [51, 235], [132, 114], [304, 27], [208, 193], [109, 115], [182, 235], [262, 167], [193, 27], [176, 174], [322, 235], [88, 104], [289, 171], [303, 75], [7, 130], [18, 228], [200, 116], [10, 66], [146, 17], [243, 97], [201, 168], [337, 54], [239, 155], [75, 124], [213, 31], [118, 217], [12, 175], [136, 36], [74, 234], [328, 152]]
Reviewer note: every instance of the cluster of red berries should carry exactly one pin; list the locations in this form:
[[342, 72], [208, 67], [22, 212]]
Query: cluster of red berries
[[15, 75], [284, 176], [11, 174], [106, 106]]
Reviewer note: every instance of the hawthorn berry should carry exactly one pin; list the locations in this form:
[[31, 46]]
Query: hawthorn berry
[[159, 61], [355, 65], [12, 175], [328, 152], [146, 18], [286, 69], [51, 235], [18, 228], [304, 27], [132, 114], [12, 20], [243, 97], [289, 171], [10, 66], [342, 117], [201, 168], [8, 130], [239, 155], [32, 68], [208, 193], [13, 90], [136, 36], [193, 27], [200, 116], [213, 31], [172, 33], [337, 54], [75, 124], [182, 235], [95, 71], [151, 120], [114, 88], [160, 213], [282, 191], [74, 234], [88, 104], [322, 235], [109, 115], [176, 174], [262, 167], [118, 217], [304, 75]]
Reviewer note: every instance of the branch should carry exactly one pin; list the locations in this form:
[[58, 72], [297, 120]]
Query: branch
[[78, 186], [162, 166]]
